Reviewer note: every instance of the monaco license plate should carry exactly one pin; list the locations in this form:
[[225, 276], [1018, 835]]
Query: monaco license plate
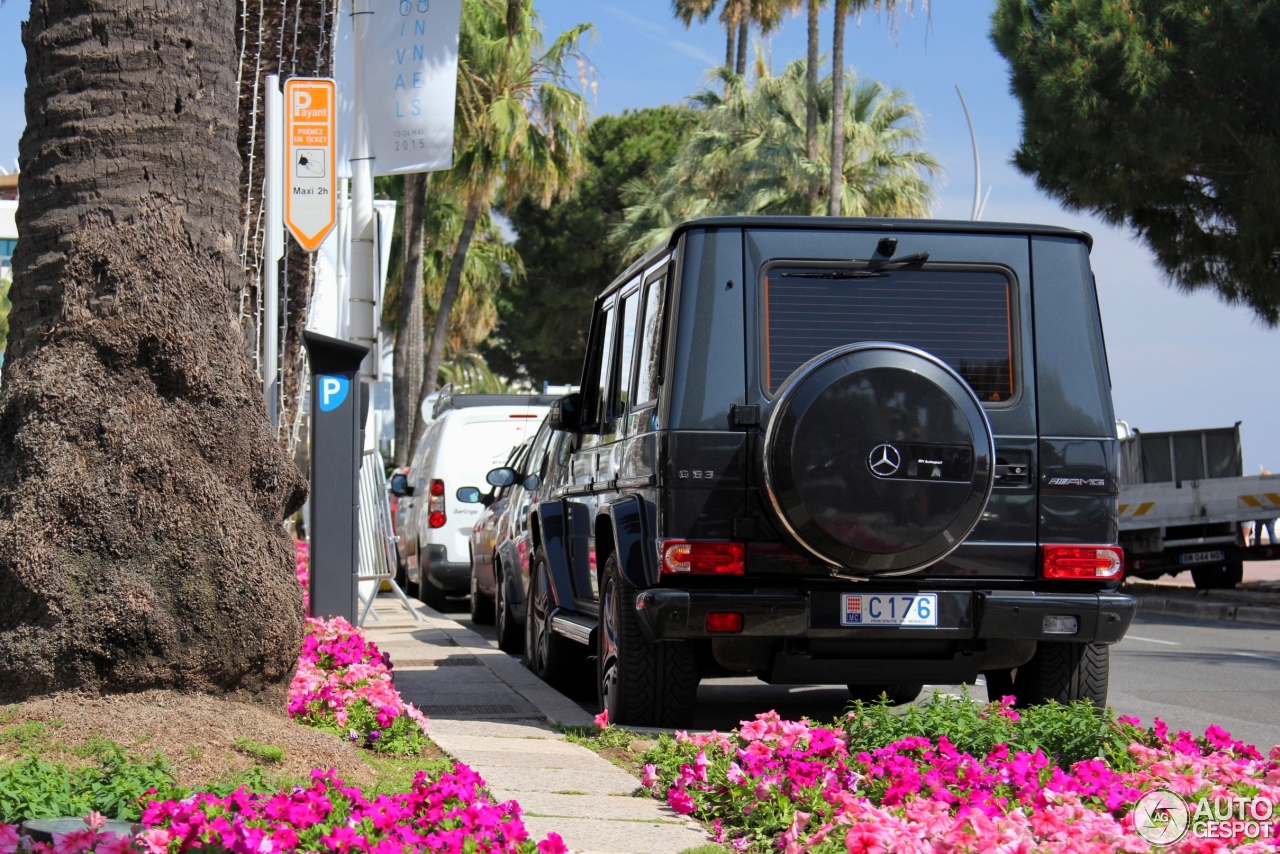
[[889, 609], [1202, 557]]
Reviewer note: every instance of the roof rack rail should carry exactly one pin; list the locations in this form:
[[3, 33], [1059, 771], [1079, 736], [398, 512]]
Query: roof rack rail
[[449, 399]]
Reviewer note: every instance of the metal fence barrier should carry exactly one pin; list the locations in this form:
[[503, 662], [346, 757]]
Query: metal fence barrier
[[377, 539]]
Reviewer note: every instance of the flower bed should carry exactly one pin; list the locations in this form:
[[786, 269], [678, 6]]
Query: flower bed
[[449, 814], [859, 786], [343, 685]]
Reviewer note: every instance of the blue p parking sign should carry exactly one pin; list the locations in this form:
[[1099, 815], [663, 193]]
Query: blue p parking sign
[[333, 391]]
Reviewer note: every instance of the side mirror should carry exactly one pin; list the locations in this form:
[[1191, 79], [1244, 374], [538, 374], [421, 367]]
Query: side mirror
[[400, 485], [531, 482], [501, 477], [566, 413], [469, 495]]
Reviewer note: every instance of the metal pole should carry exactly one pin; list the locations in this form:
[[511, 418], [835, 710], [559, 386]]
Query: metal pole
[[978, 203], [273, 200], [344, 256], [362, 326]]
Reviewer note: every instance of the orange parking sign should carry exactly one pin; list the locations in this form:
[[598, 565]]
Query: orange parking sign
[[310, 107]]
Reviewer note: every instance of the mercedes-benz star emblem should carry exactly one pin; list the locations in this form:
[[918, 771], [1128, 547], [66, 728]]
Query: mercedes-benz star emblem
[[884, 460]]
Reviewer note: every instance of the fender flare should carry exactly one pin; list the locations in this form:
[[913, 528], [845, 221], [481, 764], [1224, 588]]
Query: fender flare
[[505, 554], [551, 523], [629, 524]]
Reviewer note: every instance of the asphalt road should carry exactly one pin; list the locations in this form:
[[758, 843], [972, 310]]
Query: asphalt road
[[1188, 674]]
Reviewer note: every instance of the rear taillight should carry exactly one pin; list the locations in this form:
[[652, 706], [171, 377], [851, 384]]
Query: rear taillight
[[1082, 562], [435, 504], [702, 558]]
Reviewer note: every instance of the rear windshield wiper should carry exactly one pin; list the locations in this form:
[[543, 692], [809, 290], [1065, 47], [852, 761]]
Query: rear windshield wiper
[[904, 261], [871, 271]]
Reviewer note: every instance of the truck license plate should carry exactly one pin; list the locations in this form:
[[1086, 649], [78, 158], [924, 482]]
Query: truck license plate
[[885, 609], [1201, 557]]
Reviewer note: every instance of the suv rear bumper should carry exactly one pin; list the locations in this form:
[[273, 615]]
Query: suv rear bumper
[[969, 615]]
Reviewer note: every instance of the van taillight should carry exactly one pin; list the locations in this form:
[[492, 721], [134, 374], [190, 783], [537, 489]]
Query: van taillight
[[435, 504], [702, 558], [1082, 562]]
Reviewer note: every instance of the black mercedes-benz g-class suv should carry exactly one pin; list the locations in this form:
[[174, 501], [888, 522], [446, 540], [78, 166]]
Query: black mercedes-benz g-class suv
[[878, 453]]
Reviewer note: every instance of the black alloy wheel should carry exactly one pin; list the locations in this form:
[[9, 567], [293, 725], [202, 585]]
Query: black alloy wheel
[[554, 659], [482, 607], [510, 637], [639, 682]]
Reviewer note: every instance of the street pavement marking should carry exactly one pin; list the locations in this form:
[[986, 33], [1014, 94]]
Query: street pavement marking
[[1152, 640], [1256, 655]]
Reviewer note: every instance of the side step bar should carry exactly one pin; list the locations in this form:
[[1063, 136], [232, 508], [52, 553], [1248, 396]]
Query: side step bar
[[575, 627]]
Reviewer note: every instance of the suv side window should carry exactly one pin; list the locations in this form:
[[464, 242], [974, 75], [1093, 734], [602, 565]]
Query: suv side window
[[627, 332], [600, 409], [649, 357]]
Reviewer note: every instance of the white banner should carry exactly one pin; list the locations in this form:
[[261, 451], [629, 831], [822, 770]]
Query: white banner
[[410, 83]]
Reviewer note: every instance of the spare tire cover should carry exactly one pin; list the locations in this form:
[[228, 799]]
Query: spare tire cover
[[878, 458]]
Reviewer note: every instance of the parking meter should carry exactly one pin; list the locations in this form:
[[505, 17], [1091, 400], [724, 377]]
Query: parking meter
[[339, 405]]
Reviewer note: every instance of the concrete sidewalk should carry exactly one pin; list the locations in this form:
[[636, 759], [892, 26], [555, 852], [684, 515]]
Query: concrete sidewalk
[[489, 711]]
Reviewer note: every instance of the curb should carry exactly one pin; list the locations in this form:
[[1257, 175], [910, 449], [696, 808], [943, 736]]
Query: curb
[[1207, 610]]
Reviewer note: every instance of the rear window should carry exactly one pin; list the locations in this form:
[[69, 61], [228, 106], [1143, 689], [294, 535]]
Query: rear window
[[474, 447], [960, 316]]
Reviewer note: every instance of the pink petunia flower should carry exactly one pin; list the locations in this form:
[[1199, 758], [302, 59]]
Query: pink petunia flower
[[553, 844], [9, 838]]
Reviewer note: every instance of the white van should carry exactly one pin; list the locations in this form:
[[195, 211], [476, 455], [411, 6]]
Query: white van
[[469, 435]]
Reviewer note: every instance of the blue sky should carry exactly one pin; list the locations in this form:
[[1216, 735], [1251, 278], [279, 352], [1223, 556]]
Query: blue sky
[[1177, 361]]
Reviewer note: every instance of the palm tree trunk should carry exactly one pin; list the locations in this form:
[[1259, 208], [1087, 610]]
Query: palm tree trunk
[[142, 491], [406, 375], [837, 111], [811, 103], [744, 30], [436, 354], [729, 48]]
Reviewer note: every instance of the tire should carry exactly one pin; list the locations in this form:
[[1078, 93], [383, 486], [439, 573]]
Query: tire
[[510, 637], [1235, 569], [482, 609], [999, 684], [844, 493], [639, 682], [554, 659], [1064, 672], [402, 574], [421, 589], [899, 695], [1214, 577], [431, 596]]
